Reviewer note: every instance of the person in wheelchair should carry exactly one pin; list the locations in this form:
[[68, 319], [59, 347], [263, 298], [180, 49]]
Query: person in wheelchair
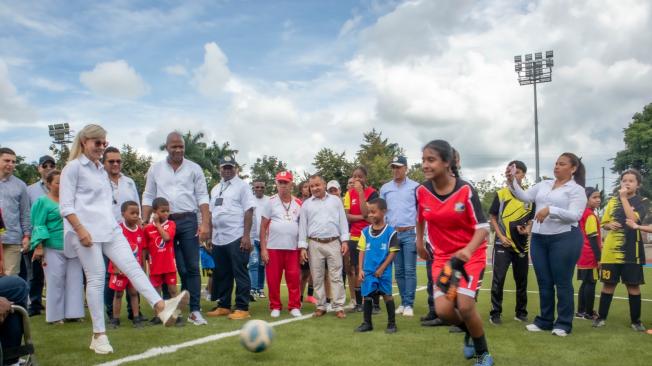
[[13, 291]]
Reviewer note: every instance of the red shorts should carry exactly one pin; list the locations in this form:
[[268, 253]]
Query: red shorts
[[118, 282], [474, 269], [163, 278]]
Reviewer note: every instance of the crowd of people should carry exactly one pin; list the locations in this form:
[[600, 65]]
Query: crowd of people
[[86, 229]]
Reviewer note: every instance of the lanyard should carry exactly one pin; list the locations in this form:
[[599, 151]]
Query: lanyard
[[224, 187]]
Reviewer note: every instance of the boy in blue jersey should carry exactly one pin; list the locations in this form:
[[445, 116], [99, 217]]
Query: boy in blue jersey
[[378, 245]]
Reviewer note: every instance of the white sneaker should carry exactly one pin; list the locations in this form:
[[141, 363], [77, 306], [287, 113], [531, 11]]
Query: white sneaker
[[350, 306], [533, 328], [196, 318], [295, 313], [407, 311], [559, 332], [101, 345], [400, 309], [171, 311], [275, 313], [329, 307]]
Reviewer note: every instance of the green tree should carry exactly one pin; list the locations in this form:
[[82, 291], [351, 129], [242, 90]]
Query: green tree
[[332, 165], [214, 153], [135, 165], [416, 173], [60, 154], [375, 154], [27, 172], [638, 149], [265, 169]]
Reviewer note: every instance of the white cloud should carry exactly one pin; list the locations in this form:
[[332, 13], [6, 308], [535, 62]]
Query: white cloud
[[213, 75], [50, 85], [350, 25], [114, 79], [176, 70], [13, 106]]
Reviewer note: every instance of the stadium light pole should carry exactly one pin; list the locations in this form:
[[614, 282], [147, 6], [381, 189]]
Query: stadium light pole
[[60, 133], [532, 72]]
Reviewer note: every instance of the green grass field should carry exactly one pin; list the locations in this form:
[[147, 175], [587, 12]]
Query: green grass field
[[329, 341]]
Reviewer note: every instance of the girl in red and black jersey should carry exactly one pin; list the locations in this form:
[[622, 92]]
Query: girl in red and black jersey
[[457, 231], [587, 265]]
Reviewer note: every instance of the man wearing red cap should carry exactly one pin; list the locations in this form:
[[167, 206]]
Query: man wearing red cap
[[279, 239]]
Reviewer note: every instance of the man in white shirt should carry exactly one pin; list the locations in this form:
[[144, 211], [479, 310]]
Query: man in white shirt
[[183, 184], [232, 208], [279, 245], [323, 237], [256, 267]]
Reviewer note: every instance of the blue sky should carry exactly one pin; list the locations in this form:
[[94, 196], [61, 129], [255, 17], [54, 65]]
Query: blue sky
[[290, 77]]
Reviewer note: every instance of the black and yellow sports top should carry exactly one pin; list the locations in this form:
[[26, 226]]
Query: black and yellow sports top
[[624, 245], [510, 213]]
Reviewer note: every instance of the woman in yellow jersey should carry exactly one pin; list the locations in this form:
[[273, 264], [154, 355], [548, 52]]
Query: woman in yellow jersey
[[622, 254]]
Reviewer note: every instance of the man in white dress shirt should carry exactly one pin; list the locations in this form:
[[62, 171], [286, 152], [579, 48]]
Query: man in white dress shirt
[[183, 184], [232, 209], [323, 237]]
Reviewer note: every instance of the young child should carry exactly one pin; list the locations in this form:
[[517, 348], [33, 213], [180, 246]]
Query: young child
[[207, 268], [378, 245], [642, 229], [159, 235], [587, 265], [623, 254], [118, 282]]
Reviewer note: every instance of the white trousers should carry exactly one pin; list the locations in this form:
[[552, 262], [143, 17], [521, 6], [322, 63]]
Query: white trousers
[[65, 286], [119, 252]]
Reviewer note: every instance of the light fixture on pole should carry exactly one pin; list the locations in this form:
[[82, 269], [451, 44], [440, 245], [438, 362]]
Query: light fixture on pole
[[60, 133], [532, 72]]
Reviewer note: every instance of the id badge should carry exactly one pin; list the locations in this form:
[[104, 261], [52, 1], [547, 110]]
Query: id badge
[[219, 201]]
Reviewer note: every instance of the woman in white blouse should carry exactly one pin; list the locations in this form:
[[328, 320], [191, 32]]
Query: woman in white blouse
[[90, 230], [556, 240]]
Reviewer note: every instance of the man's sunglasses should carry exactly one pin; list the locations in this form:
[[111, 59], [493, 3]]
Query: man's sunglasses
[[47, 166], [116, 161]]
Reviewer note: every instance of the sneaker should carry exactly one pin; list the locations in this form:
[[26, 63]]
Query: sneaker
[[311, 299], [169, 314], [495, 320], [358, 308], [364, 327], [598, 323], [295, 313], [437, 322], [138, 323], [155, 321], [391, 328], [638, 327], [113, 323], [196, 318], [400, 309], [141, 318], [484, 359], [350, 306], [252, 295], [329, 307], [240, 315], [428, 317], [275, 313], [468, 350], [219, 312], [559, 332], [580, 315], [101, 345], [179, 322], [407, 311], [521, 318], [261, 294], [376, 310], [533, 328]]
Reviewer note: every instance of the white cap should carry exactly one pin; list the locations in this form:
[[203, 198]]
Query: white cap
[[333, 183]]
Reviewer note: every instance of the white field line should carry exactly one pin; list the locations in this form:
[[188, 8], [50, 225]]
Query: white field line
[[157, 351], [596, 296]]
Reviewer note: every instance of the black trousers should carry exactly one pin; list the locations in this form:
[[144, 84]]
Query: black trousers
[[32, 272], [231, 265], [429, 289], [502, 258]]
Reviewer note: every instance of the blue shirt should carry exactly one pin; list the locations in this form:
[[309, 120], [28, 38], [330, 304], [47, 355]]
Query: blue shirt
[[376, 247], [401, 202], [16, 207]]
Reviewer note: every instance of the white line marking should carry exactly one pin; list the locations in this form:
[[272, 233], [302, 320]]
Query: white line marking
[[157, 351], [596, 296]]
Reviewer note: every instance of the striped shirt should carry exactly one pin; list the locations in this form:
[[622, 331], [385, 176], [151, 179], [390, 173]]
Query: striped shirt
[[16, 207]]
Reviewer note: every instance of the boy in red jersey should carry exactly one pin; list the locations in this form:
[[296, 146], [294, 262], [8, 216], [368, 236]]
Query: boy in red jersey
[[457, 231], [118, 282], [159, 235], [587, 265]]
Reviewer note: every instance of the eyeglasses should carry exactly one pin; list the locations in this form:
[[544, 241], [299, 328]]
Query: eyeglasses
[[47, 166], [100, 143], [117, 161]]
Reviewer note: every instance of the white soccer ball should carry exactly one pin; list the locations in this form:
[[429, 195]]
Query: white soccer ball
[[256, 335]]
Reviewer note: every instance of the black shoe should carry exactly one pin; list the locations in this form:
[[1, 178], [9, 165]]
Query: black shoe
[[138, 323], [364, 327], [495, 320], [114, 323], [437, 322], [391, 328], [358, 308], [376, 310], [580, 315], [455, 329], [430, 316], [155, 321], [180, 322], [141, 318], [521, 318], [34, 312]]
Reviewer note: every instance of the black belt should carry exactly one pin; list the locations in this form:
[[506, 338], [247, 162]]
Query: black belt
[[182, 215], [325, 240]]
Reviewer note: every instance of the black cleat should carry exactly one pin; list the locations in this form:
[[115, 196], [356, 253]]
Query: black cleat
[[364, 327], [391, 328]]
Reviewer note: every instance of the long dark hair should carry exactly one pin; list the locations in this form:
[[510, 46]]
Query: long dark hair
[[446, 153], [580, 172]]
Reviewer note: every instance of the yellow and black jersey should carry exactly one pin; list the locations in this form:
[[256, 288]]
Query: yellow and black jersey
[[511, 213], [624, 245]]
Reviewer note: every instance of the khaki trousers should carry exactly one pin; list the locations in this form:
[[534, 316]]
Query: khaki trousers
[[12, 256], [320, 254]]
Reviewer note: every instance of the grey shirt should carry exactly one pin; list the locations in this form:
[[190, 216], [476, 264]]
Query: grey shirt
[[35, 191], [322, 218], [15, 205]]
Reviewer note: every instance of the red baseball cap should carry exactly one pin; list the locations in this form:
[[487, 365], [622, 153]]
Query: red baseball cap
[[284, 176]]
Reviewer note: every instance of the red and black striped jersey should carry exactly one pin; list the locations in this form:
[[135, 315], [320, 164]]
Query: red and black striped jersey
[[452, 219]]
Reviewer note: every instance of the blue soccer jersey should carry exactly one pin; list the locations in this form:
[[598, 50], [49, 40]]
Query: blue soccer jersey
[[376, 245]]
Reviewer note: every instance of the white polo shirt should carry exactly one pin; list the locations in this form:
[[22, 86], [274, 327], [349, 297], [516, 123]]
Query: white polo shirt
[[122, 192], [229, 200], [284, 223], [184, 188]]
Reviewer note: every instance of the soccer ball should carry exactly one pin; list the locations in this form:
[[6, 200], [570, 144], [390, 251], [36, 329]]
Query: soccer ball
[[256, 335]]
